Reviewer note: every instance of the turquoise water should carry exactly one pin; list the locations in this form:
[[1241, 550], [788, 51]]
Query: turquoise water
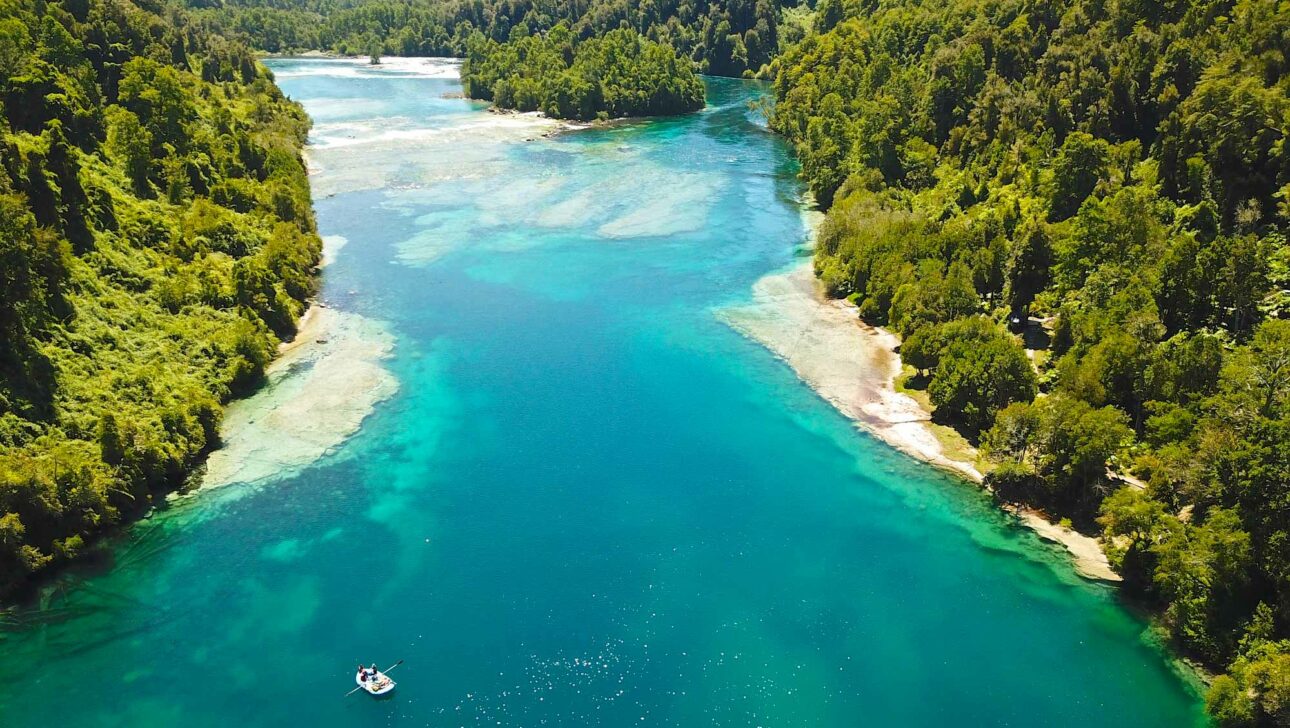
[[590, 502]]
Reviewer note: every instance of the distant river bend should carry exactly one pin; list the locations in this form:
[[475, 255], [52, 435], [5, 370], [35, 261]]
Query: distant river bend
[[577, 497]]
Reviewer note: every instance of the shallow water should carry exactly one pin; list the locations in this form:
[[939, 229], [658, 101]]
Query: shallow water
[[589, 501]]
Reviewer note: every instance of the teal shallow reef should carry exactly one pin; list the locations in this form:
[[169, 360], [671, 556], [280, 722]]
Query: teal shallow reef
[[586, 501]]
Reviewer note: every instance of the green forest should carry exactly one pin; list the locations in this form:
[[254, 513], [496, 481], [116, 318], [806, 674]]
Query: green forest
[[615, 75], [1110, 181], [156, 242], [1073, 213], [722, 37]]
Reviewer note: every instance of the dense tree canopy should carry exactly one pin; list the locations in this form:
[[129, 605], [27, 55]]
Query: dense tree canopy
[[1115, 178], [156, 241], [1111, 178], [619, 74], [722, 37]]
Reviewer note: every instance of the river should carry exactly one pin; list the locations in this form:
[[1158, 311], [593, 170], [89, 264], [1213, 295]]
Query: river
[[577, 497]]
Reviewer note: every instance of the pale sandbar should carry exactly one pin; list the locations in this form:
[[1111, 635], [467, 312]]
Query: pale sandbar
[[854, 367]]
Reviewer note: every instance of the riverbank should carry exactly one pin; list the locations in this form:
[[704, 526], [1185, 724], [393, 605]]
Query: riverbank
[[854, 366], [579, 452], [319, 390]]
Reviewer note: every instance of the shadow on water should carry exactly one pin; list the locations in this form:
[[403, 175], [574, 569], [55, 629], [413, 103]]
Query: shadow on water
[[47, 593]]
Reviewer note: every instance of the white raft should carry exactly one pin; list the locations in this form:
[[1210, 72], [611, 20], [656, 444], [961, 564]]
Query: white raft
[[378, 684]]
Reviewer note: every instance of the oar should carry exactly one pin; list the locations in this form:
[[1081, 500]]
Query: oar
[[360, 687]]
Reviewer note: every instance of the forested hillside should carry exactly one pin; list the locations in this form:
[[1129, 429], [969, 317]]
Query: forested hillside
[[618, 74], [1073, 212], [156, 241], [1119, 172], [723, 37]]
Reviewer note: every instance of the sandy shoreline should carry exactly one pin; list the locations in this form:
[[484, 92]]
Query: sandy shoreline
[[854, 366], [319, 389]]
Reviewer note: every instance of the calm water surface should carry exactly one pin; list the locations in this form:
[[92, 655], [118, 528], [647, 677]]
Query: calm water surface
[[590, 501]]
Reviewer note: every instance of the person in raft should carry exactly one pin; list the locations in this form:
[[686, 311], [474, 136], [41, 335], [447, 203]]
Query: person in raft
[[362, 673]]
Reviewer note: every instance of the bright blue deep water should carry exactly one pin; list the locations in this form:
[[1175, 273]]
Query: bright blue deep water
[[590, 502]]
